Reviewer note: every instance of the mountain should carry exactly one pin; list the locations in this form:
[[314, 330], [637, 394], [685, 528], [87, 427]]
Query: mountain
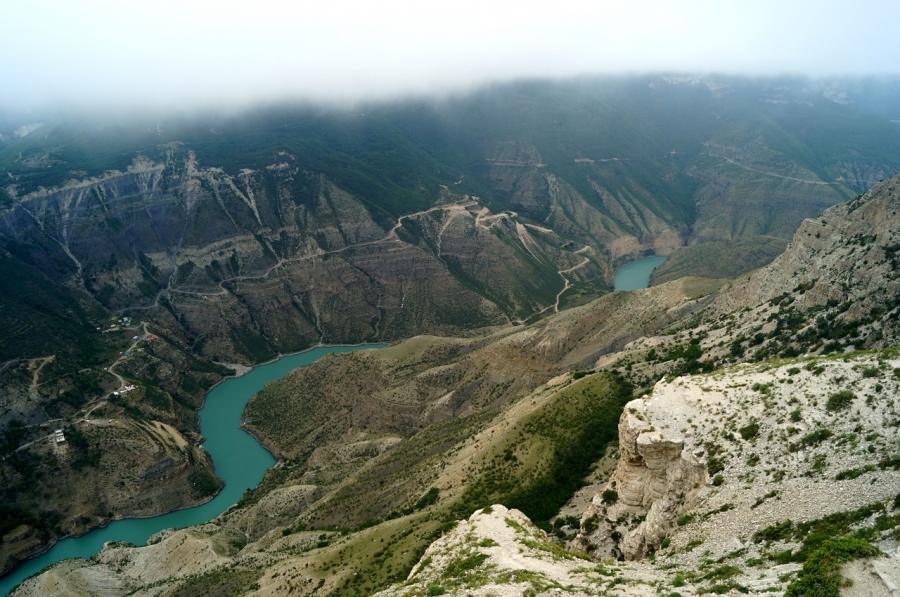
[[736, 438], [265, 232], [479, 234]]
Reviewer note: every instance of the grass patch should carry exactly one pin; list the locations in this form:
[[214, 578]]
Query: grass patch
[[556, 447]]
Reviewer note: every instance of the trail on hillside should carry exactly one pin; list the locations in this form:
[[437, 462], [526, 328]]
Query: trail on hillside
[[730, 161]]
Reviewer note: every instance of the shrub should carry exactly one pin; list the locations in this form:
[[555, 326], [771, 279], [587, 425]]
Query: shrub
[[715, 465], [839, 400], [795, 416], [609, 496], [820, 575], [590, 524], [718, 480], [853, 473], [776, 532], [429, 498], [815, 438], [684, 519], [750, 431], [722, 573]]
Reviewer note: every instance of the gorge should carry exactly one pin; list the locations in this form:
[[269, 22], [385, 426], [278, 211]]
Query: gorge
[[521, 423]]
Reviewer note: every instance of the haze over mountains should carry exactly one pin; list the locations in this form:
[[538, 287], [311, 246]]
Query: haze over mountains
[[481, 233], [187, 55], [232, 225]]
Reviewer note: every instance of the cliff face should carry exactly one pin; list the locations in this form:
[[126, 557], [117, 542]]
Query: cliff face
[[659, 476], [846, 254], [273, 260], [746, 447]]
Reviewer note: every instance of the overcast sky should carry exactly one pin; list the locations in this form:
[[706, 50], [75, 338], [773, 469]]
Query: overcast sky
[[226, 52]]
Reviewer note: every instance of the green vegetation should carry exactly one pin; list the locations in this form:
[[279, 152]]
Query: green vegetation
[[684, 519], [820, 575], [573, 430], [204, 483], [840, 400], [814, 534], [12, 517], [813, 438], [426, 500], [86, 454], [39, 317], [853, 473], [750, 431], [776, 532]]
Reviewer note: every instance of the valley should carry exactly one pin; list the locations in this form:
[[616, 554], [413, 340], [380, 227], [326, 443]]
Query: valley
[[726, 417]]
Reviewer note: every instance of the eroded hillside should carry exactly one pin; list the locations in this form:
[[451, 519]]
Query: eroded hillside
[[514, 396]]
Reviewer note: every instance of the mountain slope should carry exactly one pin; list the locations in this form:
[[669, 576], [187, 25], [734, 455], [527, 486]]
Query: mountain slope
[[216, 213], [242, 263]]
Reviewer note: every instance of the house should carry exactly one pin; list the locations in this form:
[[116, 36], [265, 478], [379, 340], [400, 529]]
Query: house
[[59, 438]]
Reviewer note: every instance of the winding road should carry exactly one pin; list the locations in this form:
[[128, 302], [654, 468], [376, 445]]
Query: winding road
[[482, 220], [92, 405]]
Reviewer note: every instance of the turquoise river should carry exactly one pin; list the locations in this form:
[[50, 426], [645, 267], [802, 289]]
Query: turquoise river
[[219, 419], [237, 456], [636, 274]]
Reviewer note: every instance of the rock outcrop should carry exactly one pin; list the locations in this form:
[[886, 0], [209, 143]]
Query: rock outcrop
[[659, 477], [497, 551]]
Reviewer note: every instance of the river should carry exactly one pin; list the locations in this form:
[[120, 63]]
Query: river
[[239, 460], [636, 274]]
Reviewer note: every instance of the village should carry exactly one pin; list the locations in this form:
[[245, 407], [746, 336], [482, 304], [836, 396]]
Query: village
[[57, 439]]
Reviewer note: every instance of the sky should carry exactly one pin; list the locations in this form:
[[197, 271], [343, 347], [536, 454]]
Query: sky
[[199, 53]]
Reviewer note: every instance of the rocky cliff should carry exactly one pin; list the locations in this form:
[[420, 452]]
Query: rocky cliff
[[246, 266], [659, 477], [847, 255]]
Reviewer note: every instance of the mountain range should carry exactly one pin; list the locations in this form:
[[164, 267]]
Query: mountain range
[[479, 235]]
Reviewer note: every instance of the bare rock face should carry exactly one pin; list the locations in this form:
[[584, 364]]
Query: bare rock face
[[659, 477]]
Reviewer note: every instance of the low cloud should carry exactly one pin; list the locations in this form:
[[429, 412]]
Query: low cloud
[[220, 54]]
